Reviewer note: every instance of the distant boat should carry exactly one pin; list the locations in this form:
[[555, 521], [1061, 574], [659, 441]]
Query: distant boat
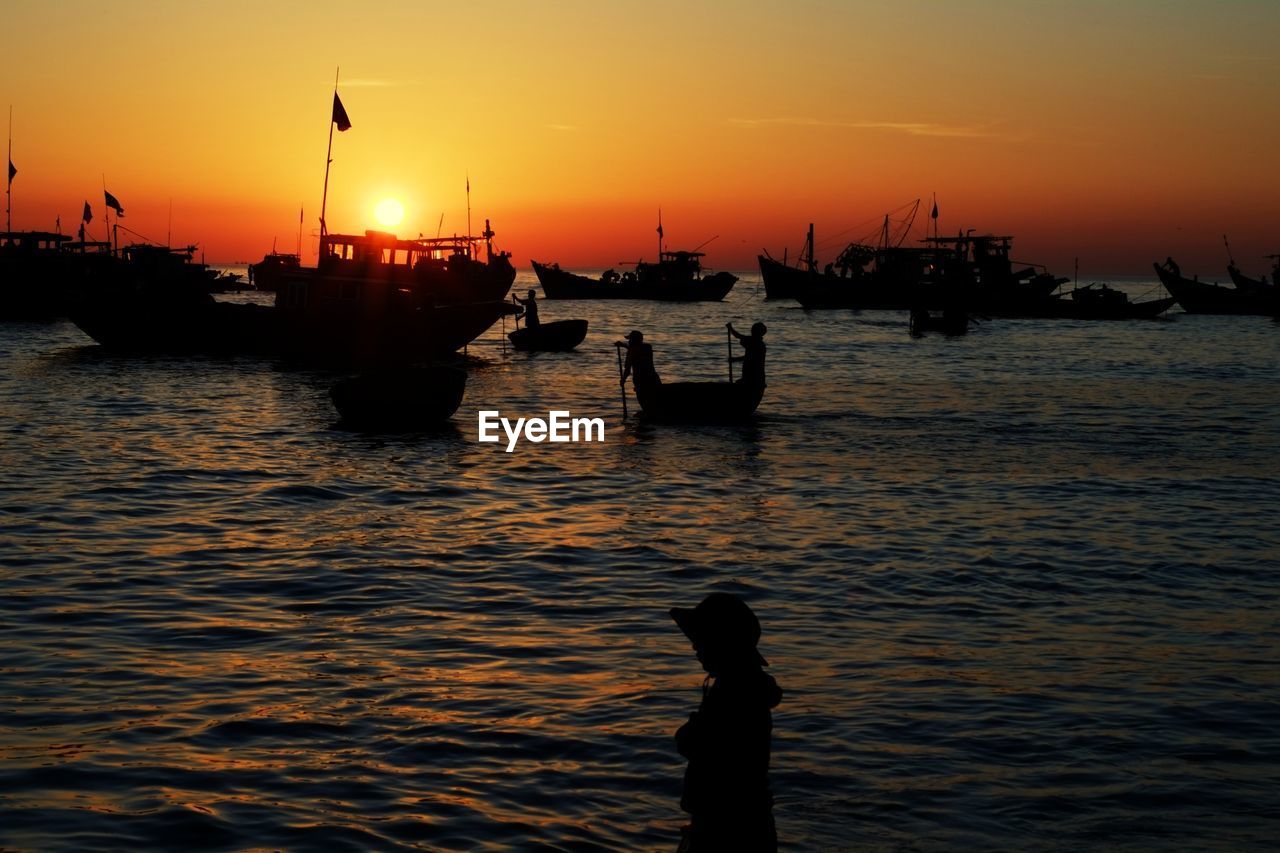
[[265, 274], [676, 277], [556, 336], [399, 398], [1100, 302], [1198, 297], [889, 276]]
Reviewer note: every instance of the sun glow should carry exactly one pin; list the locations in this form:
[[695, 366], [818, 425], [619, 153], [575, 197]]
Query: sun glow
[[389, 212]]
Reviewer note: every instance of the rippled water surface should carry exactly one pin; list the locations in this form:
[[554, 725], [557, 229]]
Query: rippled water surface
[[1019, 588]]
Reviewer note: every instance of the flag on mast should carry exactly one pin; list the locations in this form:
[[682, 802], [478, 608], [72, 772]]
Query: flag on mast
[[111, 202], [659, 223], [13, 171], [340, 114], [88, 214]]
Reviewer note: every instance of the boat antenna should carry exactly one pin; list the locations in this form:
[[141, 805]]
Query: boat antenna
[[8, 189], [113, 236], [469, 246], [273, 244], [659, 233], [705, 242], [1228, 245], [440, 227]]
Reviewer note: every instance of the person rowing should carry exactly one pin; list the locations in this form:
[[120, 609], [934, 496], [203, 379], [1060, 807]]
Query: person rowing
[[639, 364], [530, 312], [753, 354]]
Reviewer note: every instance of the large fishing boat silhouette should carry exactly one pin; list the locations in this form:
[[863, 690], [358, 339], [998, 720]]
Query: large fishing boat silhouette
[[888, 275], [972, 270], [372, 299], [677, 276], [1198, 297]]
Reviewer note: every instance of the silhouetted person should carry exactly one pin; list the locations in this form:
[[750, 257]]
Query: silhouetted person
[[1172, 266], [726, 785], [530, 312], [639, 363], [753, 356]]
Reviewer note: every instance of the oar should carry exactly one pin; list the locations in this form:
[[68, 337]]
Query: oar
[[728, 340], [513, 302], [623, 383]]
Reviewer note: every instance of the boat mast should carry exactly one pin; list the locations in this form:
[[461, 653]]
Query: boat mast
[[809, 257], [470, 254], [8, 189], [300, 210], [328, 158], [659, 234]]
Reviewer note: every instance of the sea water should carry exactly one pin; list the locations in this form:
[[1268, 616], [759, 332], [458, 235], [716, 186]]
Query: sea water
[[1019, 587]]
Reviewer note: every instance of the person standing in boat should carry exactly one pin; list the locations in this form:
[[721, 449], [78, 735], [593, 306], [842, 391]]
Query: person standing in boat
[[639, 363], [530, 312], [753, 356], [727, 740]]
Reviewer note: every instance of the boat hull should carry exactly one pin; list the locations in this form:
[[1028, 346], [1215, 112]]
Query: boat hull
[[1197, 297], [402, 398], [699, 402], [557, 336]]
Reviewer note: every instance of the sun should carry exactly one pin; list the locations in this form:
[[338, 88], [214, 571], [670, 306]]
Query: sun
[[389, 212]]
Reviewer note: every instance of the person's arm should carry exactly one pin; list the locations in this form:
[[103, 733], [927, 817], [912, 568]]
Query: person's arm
[[735, 332]]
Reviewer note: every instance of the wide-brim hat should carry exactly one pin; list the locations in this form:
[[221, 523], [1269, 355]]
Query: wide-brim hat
[[723, 621]]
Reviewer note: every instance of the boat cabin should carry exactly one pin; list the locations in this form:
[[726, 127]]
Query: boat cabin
[[30, 242]]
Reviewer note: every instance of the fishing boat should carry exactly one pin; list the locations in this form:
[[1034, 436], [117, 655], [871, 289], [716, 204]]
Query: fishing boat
[[1198, 297], [699, 402], [976, 268], [676, 277], [265, 274], [556, 336], [1097, 301], [153, 299], [1242, 281], [400, 397]]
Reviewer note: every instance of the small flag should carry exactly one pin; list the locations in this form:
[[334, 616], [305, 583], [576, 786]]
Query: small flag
[[468, 183], [88, 214], [340, 114], [13, 170], [935, 211], [659, 224], [111, 202]]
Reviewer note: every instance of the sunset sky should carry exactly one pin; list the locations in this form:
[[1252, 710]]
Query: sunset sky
[[1116, 132]]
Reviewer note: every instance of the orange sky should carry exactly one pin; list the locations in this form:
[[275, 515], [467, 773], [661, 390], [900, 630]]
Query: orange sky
[[1116, 132]]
